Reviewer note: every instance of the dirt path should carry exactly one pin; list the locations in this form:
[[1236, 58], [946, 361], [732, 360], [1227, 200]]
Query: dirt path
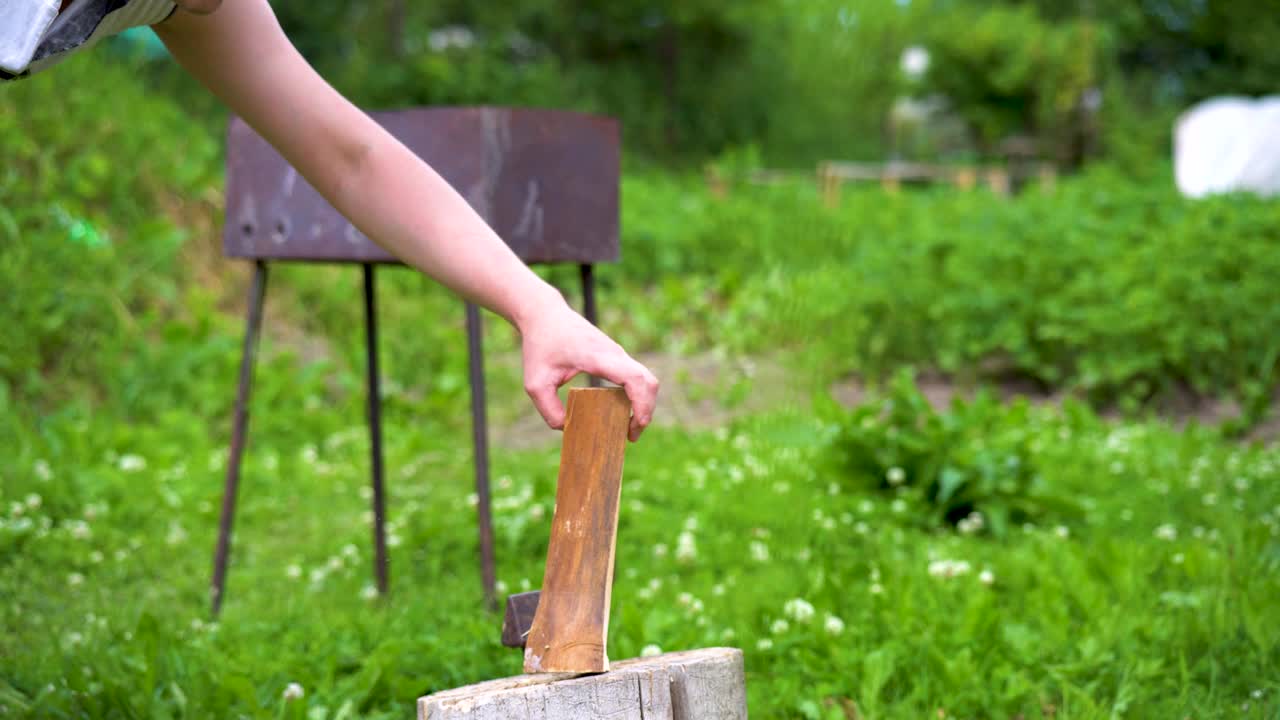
[[695, 389]]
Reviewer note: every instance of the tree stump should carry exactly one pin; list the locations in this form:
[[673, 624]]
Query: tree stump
[[706, 684]]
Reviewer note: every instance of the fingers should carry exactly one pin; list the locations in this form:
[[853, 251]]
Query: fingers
[[642, 390], [640, 384], [548, 402]]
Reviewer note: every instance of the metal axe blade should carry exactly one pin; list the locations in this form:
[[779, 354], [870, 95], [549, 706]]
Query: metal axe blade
[[521, 608]]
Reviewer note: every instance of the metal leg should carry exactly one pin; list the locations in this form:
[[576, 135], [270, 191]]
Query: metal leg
[[239, 428], [375, 430], [480, 439], [587, 273]]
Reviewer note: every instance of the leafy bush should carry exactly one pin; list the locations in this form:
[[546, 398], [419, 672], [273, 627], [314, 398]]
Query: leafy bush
[[973, 467], [1118, 291], [92, 161], [1008, 71]]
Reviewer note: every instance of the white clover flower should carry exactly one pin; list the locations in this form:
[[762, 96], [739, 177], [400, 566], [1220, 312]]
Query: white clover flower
[[394, 540], [33, 501], [1167, 532], [310, 455], [177, 534], [75, 579], [798, 609], [833, 625], [876, 589], [95, 557], [717, 589], [696, 607], [833, 489], [293, 691], [866, 507], [317, 575], [782, 488], [728, 634], [1178, 558], [73, 638], [501, 586], [650, 650], [334, 564], [1210, 499], [1062, 531], [1197, 532], [898, 506], [537, 512], [655, 584], [759, 551], [197, 624], [986, 577], [43, 471], [764, 644], [79, 529], [684, 598], [16, 508], [293, 572], [949, 568], [861, 528], [660, 550], [120, 555], [132, 463], [473, 500], [369, 592], [779, 626], [896, 476], [686, 547]]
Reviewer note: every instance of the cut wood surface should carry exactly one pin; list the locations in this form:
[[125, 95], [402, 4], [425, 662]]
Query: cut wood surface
[[706, 684], [572, 622]]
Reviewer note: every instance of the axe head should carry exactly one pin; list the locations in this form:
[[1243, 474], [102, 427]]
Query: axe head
[[521, 608]]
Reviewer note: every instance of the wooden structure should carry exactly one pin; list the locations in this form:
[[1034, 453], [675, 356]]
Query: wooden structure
[[547, 181], [706, 684], [1003, 179], [572, 622]]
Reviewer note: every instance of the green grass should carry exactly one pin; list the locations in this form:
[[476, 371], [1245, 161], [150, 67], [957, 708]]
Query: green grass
[[1156, 601], [1132, 568]]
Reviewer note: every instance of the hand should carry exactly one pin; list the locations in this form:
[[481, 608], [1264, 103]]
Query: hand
[[558, 343]]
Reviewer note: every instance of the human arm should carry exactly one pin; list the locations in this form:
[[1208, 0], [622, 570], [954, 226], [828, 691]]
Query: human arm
[[241, 54]]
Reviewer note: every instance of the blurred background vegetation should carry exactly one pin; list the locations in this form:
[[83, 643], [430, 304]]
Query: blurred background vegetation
[[806, 79], [121, 340]]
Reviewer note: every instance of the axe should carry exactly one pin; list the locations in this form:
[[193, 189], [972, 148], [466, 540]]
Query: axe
[[564, 627]]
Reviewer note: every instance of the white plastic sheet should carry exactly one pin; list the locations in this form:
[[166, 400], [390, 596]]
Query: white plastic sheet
[[1228, 144]]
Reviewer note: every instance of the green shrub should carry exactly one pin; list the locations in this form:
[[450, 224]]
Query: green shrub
[[974, 467], [92, 160], [1121, 292]]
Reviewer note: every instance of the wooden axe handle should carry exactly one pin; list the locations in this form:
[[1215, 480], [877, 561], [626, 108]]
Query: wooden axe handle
[[571, 625]]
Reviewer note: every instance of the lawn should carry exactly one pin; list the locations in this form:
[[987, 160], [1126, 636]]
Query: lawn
[[1154, 599], [1076, 558]]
